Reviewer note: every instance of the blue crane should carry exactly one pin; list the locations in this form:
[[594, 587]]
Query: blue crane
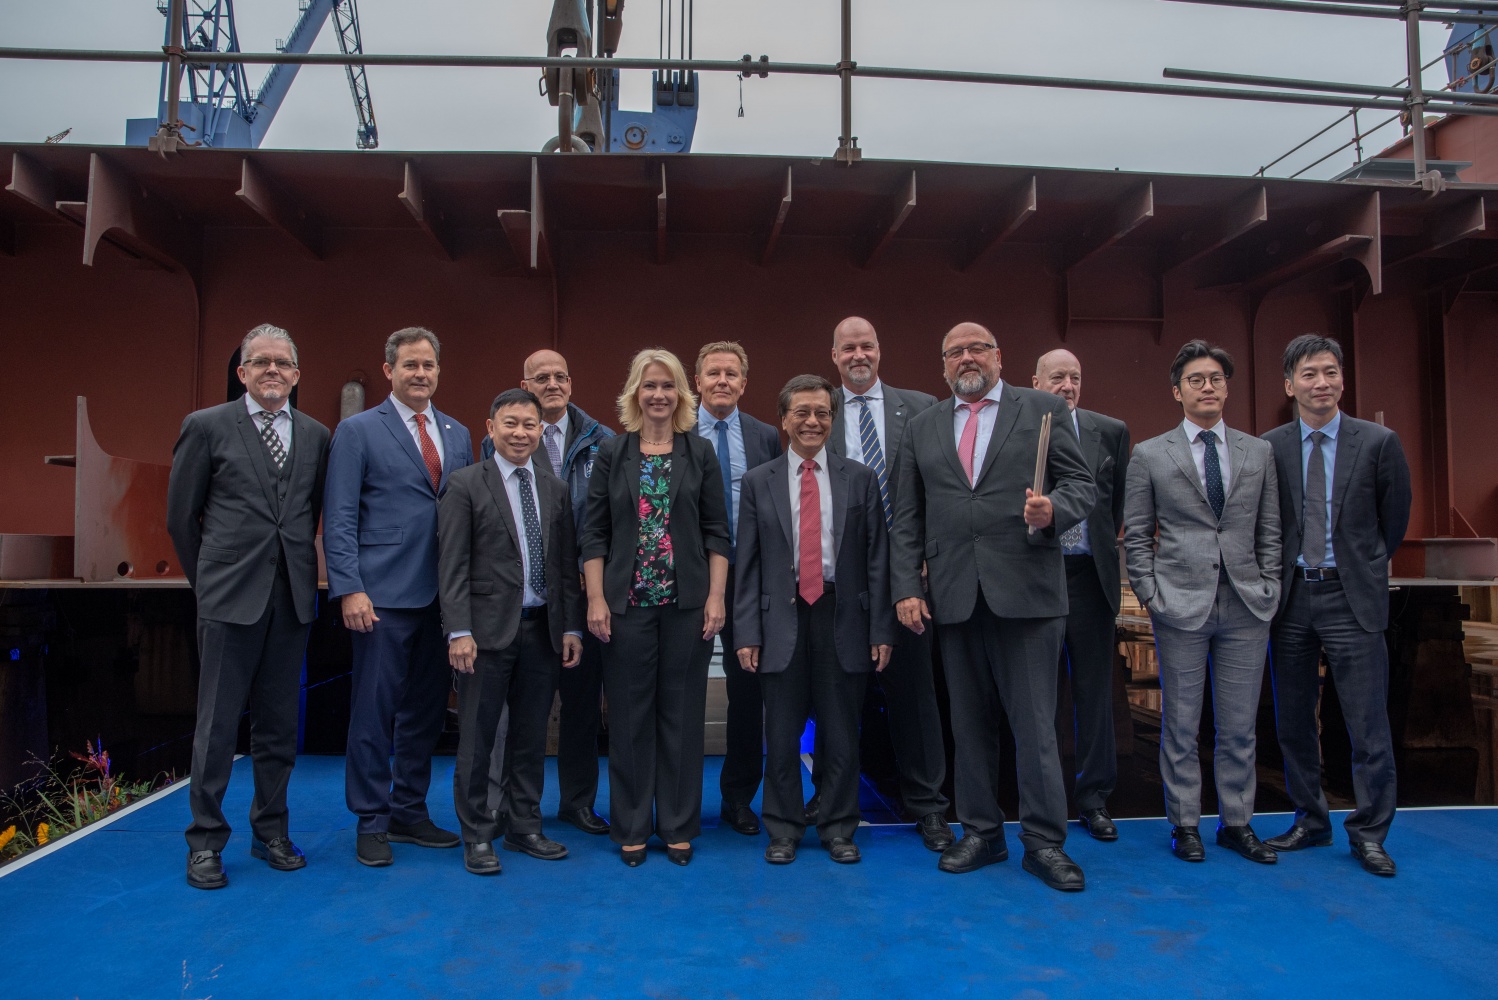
[[218, 108]]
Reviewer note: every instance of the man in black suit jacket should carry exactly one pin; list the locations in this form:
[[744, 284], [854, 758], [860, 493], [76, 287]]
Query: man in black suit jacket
[[1093, 591], [242, 507], [867, 428], [512, 609], [741, 443], [1344, 493], [811, 525], [997, 589]]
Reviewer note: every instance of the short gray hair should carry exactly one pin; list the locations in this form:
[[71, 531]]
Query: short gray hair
[[410, 335], [266, 330]]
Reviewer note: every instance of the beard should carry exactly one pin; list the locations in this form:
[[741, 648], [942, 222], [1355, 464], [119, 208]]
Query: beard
[[971, 383]]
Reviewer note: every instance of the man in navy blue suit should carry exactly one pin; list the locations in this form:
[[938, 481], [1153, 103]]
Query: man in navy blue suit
[[387, 468]]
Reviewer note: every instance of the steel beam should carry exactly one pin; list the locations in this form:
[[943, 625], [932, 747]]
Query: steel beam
[[269, 201], [427, 217], [118, 529], [121, 211], [660, 220], [1014, 211], [1130, 212], [884, 226], [782, 209], [1236, 218], [1462, 221], [32, 184], [1352, 231]]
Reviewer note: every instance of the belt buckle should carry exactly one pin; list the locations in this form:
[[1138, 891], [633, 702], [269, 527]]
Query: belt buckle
[[1317, 578]]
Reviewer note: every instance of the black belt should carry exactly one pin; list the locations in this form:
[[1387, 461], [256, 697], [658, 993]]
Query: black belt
[[539, 611], [1316, 574]]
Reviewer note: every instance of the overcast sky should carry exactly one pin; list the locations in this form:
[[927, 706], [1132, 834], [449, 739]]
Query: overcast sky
[[500, 110]]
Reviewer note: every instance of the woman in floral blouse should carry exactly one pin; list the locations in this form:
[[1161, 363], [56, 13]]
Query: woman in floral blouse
[[655, 556]]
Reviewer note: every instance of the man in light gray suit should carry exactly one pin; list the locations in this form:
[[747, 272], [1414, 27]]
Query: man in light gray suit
[[867, 428], [991, 545], [1202, 541]]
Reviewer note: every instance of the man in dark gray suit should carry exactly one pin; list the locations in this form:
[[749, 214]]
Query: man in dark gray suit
[[1344, 498], [512, 608], [1093, 591], [741, 443], [812, 615], [1202, 539], [243, 502], [997, 589], [867, 428]]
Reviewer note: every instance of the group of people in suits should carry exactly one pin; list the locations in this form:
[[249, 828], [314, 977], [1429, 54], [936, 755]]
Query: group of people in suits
[[572, 559]]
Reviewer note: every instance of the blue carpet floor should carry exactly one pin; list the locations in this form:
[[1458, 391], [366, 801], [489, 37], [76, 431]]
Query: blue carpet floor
[[110, 916]]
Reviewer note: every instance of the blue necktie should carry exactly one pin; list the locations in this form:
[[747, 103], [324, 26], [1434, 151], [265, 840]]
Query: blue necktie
[[1213, 469], [532, 530], [726, 464], [873, 455]]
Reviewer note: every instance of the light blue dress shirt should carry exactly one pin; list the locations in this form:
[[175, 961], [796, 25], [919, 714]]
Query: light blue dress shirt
[[707, 426], [1329, 459]]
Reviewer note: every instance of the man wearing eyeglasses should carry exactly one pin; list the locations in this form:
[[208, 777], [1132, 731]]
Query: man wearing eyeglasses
[[569, 443], [990, 538], [1202, 544], [243, 500]]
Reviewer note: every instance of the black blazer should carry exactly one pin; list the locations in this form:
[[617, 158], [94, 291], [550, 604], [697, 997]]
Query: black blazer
[[764, 606], [480, 574], [1105, 447], [972, 535], [228, 520], [699, 516], [1370, 511], [899, 406]]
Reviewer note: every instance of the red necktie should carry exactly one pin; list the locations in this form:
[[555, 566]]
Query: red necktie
[[970, 437], [429, 452], [809, 561]]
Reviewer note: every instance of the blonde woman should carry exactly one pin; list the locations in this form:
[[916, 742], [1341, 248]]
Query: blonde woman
[[655, 557]]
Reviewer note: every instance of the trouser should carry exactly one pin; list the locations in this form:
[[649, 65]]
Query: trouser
[[1088, 655], [1318, 617], [401, 678], [260, 665], [915, 724], [743, 755]]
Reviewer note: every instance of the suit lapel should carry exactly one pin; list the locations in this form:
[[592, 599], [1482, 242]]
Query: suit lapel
[[678, 467], [450, 445], [781, 498], [894, 426], [631, 456], [259, 455], [1287, 457], [495, 481], [947, 440], [837, 475], [1349, 442], [1179, 449], [405, 441], [836, 441], [545, 485], [1237, 455], [1092, 441], [1009, 407]]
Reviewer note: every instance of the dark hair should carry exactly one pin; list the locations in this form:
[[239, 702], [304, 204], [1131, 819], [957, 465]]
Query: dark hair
[[1308, 345], [514, 397], [1193, 349], [808, 383], [410, 335]]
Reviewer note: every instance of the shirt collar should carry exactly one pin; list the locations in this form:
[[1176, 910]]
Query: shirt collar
[[406, 413], [507, 468], [705, 417], [795, 460], [254, 407], [994, 394], [1330, 430], [876, 392], [560, 425], [1193, 429]]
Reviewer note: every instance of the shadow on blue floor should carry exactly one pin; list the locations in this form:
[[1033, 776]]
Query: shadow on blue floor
[[111, 916]]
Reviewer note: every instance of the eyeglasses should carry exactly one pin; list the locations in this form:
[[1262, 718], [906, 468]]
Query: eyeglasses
[[1217, 379], [976, 350], [804, 415], [548, 379], [261, 364]]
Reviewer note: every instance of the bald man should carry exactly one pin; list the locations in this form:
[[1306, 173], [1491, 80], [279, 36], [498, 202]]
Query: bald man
[[991, 542], [1093, 589], [569, 443]]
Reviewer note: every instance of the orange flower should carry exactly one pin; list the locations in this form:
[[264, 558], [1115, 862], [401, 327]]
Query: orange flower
[[6, 836], [43, 831]]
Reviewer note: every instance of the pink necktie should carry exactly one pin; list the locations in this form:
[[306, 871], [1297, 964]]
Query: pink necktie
[[970, 436], [809, 558]]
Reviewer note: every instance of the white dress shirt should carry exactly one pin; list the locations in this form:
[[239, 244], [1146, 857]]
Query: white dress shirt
[[852, 414], [281, 424], [824, 494], [987, 417], [1199, 452], [408, 417], [507, 471]]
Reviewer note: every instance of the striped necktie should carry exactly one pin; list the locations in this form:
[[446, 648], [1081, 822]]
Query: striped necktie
[[873, 455]]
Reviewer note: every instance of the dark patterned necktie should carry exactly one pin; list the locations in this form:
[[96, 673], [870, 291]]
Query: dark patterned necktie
[[725, 463], [429, 452], [1313, 537], [532, 534], [873, 455], [1072, 538], [272, 439], [1212, 468], [553, 448]]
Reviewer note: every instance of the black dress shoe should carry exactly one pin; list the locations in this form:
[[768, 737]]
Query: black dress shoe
[[813, 809], [205, 870], [741, 819], [422, 834], [536, 845], [373, 849], [782, 851], [969, 854], [281, 854], [1098, 823], [1055, 869], [1186, 844], [1243, 840], [1374, 859], [843, 851], [480, 859], [634, 858], [935, 833], [584, 819], [1297, 838], [679, 855]]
